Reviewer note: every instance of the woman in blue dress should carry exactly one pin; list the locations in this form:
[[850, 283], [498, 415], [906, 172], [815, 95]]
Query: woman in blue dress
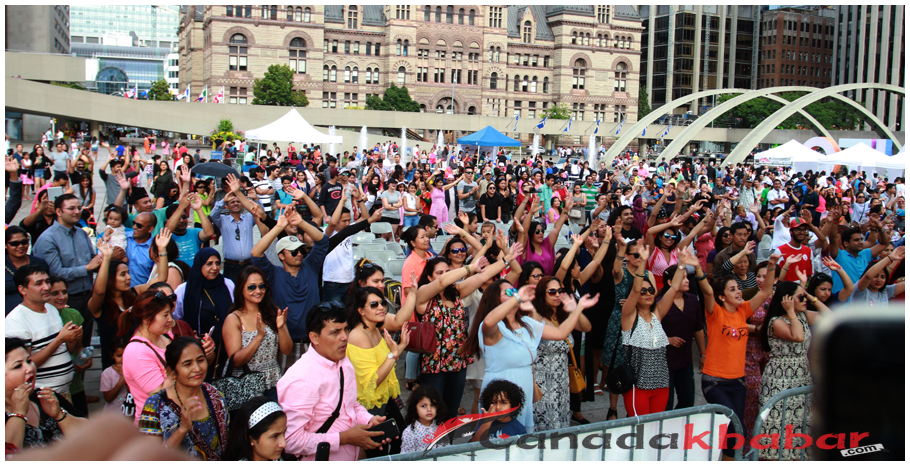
[[508, 336]]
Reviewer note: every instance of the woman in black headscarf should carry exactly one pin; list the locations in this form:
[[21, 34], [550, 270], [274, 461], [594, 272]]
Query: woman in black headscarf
[[203, 301]]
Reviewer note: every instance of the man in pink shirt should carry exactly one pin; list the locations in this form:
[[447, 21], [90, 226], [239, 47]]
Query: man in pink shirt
[[322, 385]]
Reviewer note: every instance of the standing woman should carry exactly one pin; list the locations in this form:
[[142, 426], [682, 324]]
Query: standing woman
[[163, 177], [27, 176], [256, 330], [579, 199], [508, 201], [539, 245], [786, 335], [85, 194], [723, 240], [203, 301], [39, 164], [438, 207], [188, 414], [723, 377]]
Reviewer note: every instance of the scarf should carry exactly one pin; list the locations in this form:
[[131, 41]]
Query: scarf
[[199, 288]]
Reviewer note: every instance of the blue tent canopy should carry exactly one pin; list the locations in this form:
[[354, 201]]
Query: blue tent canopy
[[489, 137]]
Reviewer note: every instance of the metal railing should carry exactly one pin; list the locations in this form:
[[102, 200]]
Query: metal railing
[[765, 410], [469, 451]]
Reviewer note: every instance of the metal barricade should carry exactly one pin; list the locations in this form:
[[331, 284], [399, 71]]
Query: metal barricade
[[505, 449], [765, 411]]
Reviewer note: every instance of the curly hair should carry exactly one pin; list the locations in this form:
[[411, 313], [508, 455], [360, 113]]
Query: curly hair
[[421, 392], [509, 390]]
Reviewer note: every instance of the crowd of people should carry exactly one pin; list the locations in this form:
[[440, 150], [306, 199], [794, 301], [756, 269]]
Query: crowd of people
[[550, 277]]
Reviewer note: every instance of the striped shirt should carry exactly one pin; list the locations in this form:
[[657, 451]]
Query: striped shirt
[[40, 329], [591, 193]]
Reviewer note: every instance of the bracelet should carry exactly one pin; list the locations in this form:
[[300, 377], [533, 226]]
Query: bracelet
[[65, 414], [704, 276], [468, 268], [639, 276], [162, 253], [504, 261], [17, 415]]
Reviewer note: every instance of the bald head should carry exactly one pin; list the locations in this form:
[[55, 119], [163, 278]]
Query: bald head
[[143, 226]]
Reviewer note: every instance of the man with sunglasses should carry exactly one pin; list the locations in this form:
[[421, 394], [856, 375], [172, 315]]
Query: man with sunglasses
[[295, 284], [137, 247], [467, 191]]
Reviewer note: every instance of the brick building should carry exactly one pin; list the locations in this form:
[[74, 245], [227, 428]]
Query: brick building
[[797, 47], [495, 60]]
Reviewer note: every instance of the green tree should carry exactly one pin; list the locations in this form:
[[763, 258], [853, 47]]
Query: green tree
[[394, 98], [160, 91], [831, 114], [277, 88], [644, 108], [558, 112]]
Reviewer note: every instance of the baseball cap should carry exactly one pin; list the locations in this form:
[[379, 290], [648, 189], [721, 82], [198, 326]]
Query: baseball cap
[[797, 222], [288, 242], [333, 172]]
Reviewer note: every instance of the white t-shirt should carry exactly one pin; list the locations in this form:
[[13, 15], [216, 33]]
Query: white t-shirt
[[109, 379], [40, 329], [411, 201], [338, 266]]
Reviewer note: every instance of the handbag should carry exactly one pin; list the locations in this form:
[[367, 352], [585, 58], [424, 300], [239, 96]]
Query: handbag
[[239, 390], [574, 213], [576, 378], [538, 393], [621, 379], [422, 337]]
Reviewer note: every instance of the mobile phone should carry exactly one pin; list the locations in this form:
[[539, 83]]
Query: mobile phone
[[322, 451], [303, 210], [53, 193], [389, 430], [211, 330]]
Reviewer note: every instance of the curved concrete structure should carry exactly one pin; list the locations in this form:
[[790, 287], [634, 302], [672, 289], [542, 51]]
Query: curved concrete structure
[[692, 130], [755, 136]]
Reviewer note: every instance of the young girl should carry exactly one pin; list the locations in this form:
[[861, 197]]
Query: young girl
[[425, 407], [113, 385], [114, 231], [26, 176], [258, 433], [499, 396], [411, 207]]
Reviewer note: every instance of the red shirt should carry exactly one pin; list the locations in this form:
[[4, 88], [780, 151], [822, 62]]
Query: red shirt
[[804, 264]]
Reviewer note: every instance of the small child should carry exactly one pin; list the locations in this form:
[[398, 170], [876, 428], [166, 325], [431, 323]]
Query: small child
[[113, 385], [114, 231], [425, 408], [487, 232], [501, 395]]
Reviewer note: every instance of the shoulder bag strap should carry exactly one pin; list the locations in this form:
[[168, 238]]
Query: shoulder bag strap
[[331, 420], [571, 352], [153, 351]]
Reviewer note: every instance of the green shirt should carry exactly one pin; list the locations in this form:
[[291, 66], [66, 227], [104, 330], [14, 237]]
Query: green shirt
[[68, 314], [591, 193], [546, 195], [160, 214]]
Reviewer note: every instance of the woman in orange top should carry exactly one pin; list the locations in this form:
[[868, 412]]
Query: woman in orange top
[[723, 378]]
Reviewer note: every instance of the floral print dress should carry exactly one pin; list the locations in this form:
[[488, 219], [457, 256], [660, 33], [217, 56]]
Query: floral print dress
[[451, 332], [205, 441]]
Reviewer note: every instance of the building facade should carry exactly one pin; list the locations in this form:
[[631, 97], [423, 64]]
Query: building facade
[[143, 25], [681, 51], [38, 28], [490, 60], [797, 47], [869, 48]]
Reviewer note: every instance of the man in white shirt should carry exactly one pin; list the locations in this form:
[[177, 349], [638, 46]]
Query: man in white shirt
[[38, 322], [777, 196]]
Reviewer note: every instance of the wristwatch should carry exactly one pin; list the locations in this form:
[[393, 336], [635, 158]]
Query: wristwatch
[[392, 356]]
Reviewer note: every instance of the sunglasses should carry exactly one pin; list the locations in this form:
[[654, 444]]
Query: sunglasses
[[16, 244], [458, 250], [261, 286], [635, 255], [648, 290], [669, 235], [555, 291], [537, 276], [539, 231], [802, 298], [293, 252], [237, 233], [328, 306], [160, 295], [138, 226], [375, 304]]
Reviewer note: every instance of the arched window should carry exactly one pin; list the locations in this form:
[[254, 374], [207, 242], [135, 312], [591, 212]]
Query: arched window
[[333, 74], [599, 39], [616, 42], [297, 56], [352, 17], [516, 83], [426, 14], [290, 14], [423, 108], [461, 16], [534, 84], [472, 110], [450, 12], [354, 75], [405, 48], [578, 74], [369, 75], [620, 78], [439, 14], [526, 32], [401, 76], [237, 50], [347, 74], [471, 18], [546, 85], [306, 15], [325, 73], [494, 77], [398, 47], [497, 54], [265, 12], [524, 84], [298, 14], [587, 38], [375, 75], [574, 38], [274, 12]]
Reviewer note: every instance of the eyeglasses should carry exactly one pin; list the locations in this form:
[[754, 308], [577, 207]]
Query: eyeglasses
[[669, 235], [16, 244], [537, 276], [555, 291], [375, 304], [648, 290], [458, 250], [160, 295], [253, 287]]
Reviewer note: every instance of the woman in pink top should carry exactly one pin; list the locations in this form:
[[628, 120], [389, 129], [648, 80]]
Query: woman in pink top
[[668, 240], [538, 246]]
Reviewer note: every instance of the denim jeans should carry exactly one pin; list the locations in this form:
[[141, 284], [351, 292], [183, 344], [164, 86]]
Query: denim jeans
[[332, 291], [412, 366], [682, 382], [726, 392], [410, 220], [451, 386]]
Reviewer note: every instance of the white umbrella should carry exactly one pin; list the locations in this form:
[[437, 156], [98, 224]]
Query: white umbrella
[[363, 142], [403, 150], [332, 144], [535, 146], [592, 150]]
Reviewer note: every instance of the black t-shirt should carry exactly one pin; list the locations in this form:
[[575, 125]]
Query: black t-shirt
[[37, 228], [491, 203], [329, 196], [631, 233]]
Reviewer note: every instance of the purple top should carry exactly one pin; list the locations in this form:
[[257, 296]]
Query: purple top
[[547, 258]]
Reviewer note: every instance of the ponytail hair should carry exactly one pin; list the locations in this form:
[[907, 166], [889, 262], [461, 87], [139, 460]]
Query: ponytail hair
[[145, 307]]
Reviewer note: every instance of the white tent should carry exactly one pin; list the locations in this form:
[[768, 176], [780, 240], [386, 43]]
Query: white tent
[[292, 127], [787, 154]]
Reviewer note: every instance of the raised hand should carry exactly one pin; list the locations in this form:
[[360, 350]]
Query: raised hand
[[11, 165], [788, 305], [793, 259], [104, 248], [801, 275], [755, 207], [184, 174], [587, 301], [413, 286], [122, 181], [463, 217], [568, 302], [577, 240], [233, 183], [376, 216], [898, 254], [196, 202], [806, 215], [282, 318], [256, 211], [645, 253], [396, 348], [775, 258], [49, 403], [830, 263], [515, 251], [750, 246], [480, 264], [282, 221], [453, 229]]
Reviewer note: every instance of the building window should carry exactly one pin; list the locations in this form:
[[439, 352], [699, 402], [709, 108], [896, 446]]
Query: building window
[[546, 61], [306, 15], [354, 75], [620, 78], [325, 73], [493, 78], [461, 16], [237, 60], [587, 39], [369, 48], [273, 12], [450, 12], [247, 11], [526, 33], [229, 10], [347, 47], [325, 46], [516, 83], [438, 14], [603, 14], [402, 12], [297, 56], [401, 76], [334, 46], [376, 50], [578, 74], [347, 74], [265, 12], [237, 95], [426, 14], [471, 18], [369, 75], [574, 38], [357, 48], [350, 99], [404, 49], [329, 99], [290, 14], [398, 44], [495, 17], [472, 110], [352, 17], [298, 14], [333, 74], [534, 85], [546, 85]]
